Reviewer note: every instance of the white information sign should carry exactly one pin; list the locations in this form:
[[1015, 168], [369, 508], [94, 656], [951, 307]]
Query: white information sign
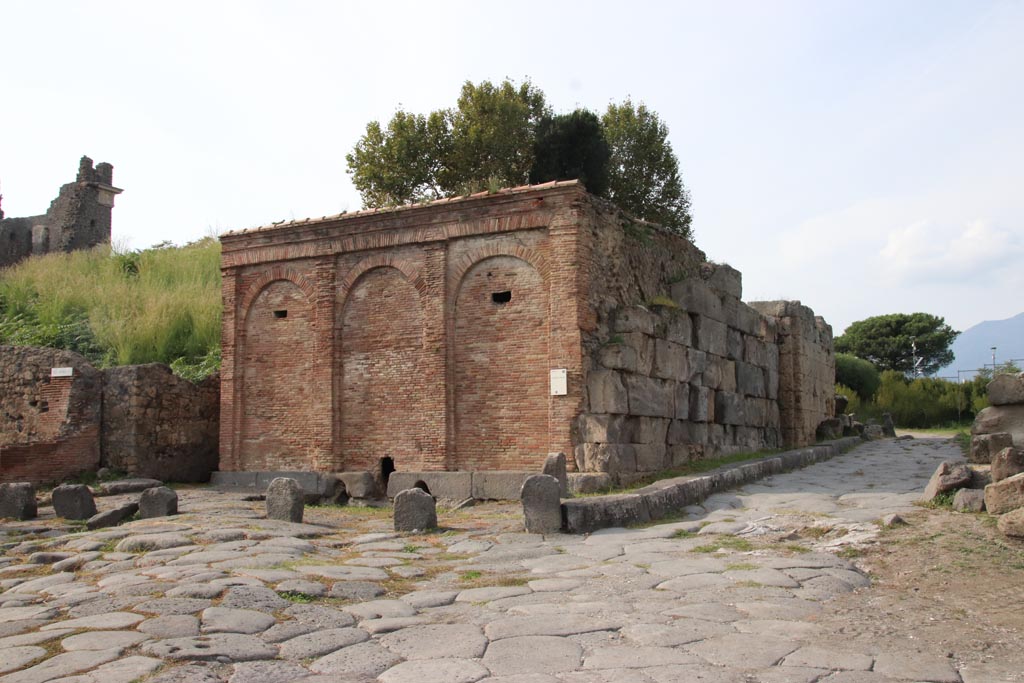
[[62, 372], [559, 382]]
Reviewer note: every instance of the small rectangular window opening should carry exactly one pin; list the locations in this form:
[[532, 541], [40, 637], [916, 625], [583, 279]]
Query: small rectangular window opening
[[280, 314], [501, 297]]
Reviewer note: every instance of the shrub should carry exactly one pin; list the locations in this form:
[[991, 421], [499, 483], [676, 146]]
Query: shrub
[[853, 400], [923, 402], [857, 374]]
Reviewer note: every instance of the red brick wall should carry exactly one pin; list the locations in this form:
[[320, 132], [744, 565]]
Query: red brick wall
[[278, 399], [383, 399], [501, 366]]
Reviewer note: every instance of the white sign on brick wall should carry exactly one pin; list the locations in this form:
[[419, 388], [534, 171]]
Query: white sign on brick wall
[[62, 372], [559, 382]]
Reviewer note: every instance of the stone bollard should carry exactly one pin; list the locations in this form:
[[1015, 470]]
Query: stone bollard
[[112, 517], [73, 501], [285, 500], [415, 510], [554, 466], [888, 428], [542, 506], [158, 502], [18, 500]]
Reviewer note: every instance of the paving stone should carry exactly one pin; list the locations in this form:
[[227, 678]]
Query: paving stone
[[235, 647], [195, 590], [552, 625], [13, 658], [62, 665], [694, 582], [429, 598], [190, 673], [435, 671], [43, 583], [532, 654], [765, 577], [320, 615], [103, 640], [267, 672], [312, 588], [171, 626], [109, 621], [821, 658], [743, 650], [626, 657], [345, 572], [389, 624], [362, 659], [916, 667], [791, 674], [144, 542], [375, 609], [489, 593], [554, 585], [355, 590], [230, 620], [125, 670], [778, 627], [436, 641], [253, 597], [706, 611], [678, 632], [320, 643], [33, 638], [690, 673], [174, 605]]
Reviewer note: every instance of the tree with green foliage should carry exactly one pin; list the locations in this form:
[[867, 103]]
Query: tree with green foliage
[[644, 176], [571, 146], [889, 341], [857, 374]]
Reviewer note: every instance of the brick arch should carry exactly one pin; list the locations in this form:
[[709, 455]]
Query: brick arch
[[276, 273], [411, 272], [474, 256]]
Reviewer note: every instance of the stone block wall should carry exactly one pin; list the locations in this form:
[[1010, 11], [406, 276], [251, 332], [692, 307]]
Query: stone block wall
[[49, 426], [158, 425], [141, 419], [79, 218]]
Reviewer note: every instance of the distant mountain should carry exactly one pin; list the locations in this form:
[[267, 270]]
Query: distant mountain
[[973, 348]]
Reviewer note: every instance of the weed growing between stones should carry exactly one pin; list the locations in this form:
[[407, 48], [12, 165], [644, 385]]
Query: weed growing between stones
[[740, 567], [471, 575], [683, 533], [726, 543], [296, 596]]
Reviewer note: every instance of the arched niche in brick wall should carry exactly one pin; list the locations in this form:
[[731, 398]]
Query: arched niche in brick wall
[[383, 407], [500, 354], [276, 364]]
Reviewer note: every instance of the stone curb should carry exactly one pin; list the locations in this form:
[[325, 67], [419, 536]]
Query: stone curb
[[666, 497]]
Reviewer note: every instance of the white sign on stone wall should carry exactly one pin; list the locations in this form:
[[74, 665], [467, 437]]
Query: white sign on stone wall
[[559, 382], [62, 372]]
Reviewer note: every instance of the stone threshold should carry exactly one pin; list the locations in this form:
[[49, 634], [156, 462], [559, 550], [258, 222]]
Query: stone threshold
[[667, 497]]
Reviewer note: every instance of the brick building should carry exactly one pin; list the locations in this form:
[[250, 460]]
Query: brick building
[[481, 333]]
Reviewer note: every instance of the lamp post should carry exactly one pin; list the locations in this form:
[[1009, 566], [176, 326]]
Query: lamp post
[[993, 362]]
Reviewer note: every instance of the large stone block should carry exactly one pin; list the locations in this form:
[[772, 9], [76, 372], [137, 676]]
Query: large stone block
[[678, 432], [948, 476], [450, 485], [18, 501], [360, 484], [1008, 419], [697, 360], [650, 457], [1006, 390], [676, 326], [1012, 523], [112, 517], [415, 510], [969, 500], [634, 319], [162, 501], [755, 351], [542, 505], [649, 429], [554, 466], [702, 404], [584, 515], [614, 459], [756, 411], [984, 446], [729, 408], [607, 392], [1007, 462], [682, 391], [670, 361], [734, 344], [589, 482], [1006, 495], [711, 335], [285, 500], [618, 356], [693, 296], [727, 280], [73, 501], [748, 320], [720, 374], [750, 380], [650, 397], [498, 485], [603, 428]]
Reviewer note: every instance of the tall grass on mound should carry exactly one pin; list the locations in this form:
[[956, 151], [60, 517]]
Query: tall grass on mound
[[120, 308]]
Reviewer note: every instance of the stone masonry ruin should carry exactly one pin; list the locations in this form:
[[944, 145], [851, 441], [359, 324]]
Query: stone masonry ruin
[[79, 218], [481, 333], [61, 417]]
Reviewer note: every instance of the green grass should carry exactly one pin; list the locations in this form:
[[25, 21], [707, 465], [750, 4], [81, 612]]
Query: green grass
[[727, 543], [120, 307], [296, 596]]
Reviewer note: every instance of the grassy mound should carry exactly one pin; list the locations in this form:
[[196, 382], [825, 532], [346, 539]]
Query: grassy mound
[[120, 307]]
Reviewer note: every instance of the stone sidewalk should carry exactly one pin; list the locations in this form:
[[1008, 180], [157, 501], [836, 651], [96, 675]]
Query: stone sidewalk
[[726, 594]]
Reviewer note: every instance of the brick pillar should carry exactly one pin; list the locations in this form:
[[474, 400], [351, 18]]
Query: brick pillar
[[324, 367], [433, 294], [230, 409], [566, 313]]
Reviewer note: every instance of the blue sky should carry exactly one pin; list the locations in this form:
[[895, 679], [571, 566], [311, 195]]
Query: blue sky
[[863, 157]]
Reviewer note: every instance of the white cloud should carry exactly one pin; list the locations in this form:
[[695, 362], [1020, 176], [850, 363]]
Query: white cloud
[[928, 251]]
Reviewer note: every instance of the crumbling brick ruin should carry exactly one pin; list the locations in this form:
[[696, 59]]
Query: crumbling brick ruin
[[482, 333], [61, 417], [79, 218]]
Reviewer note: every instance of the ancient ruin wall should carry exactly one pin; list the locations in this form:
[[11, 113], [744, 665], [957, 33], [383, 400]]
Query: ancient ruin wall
[[140, 419], [678, 367], [49, 426], [156, 424], [79, 218]]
